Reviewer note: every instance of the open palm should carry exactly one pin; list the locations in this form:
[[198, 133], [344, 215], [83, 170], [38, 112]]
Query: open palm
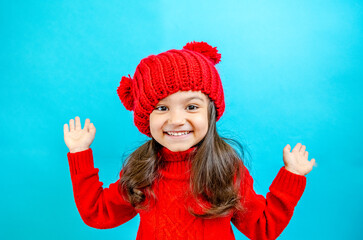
[[297, 161], [76, 138]]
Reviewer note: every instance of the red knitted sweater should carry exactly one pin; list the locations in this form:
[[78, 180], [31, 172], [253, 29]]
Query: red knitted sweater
[[169, 218]]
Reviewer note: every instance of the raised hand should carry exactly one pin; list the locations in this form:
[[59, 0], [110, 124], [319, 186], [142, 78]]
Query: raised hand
[[76, 138], [297, 161]]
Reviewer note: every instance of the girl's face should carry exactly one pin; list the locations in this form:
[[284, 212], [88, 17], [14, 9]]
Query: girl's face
[[180, 120]]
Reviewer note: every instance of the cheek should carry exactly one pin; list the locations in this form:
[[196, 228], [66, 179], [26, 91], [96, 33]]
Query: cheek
[[202, 124], [152, 123], [155, 124]]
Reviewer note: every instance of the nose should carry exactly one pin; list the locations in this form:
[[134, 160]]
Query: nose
[[176, 117]]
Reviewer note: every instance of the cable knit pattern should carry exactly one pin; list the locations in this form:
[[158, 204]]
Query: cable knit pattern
[[103, 208]]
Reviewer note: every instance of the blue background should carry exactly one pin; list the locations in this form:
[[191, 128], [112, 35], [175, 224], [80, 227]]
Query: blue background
[[291, 70]]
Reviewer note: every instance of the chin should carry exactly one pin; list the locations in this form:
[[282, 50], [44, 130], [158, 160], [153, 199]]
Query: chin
[[177, 148]]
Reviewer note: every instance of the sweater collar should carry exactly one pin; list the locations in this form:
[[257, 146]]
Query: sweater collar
[[177, 165], [170, 156]]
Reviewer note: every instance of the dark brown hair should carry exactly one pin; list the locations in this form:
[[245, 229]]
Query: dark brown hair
[[215, 173]]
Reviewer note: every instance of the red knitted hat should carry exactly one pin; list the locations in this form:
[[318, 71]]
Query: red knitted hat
[[158, 76]]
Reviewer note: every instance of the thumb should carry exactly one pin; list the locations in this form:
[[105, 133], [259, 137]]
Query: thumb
[[287, 148], [313, 162], [92, 128]]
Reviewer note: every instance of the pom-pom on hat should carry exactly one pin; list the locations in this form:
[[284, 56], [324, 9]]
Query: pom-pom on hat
[[158, 76]]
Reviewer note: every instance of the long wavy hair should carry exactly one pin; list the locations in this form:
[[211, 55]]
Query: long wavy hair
[[215, 173]]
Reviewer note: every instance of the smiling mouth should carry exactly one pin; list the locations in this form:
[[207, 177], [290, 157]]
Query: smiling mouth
[[179, 133]]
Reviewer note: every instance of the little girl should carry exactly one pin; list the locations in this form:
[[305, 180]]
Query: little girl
[[186, 182]]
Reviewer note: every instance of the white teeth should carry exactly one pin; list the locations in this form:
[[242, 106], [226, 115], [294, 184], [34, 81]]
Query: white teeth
[[177, 134]]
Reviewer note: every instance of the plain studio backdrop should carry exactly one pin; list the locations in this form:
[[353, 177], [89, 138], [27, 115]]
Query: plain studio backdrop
[[291, 71]]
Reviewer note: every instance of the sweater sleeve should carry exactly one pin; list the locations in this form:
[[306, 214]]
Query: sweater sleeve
[[266, 218], [99, 207]]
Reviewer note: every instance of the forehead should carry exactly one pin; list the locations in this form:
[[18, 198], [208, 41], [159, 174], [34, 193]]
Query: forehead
[[183, 96]]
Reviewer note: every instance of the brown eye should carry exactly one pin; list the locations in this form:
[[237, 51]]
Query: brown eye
[[160, 108], [193, 107]]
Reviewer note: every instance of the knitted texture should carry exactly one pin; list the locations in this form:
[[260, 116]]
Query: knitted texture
[[102, 208], [158, 76]]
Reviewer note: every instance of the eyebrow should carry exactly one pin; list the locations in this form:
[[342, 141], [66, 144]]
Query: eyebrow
[[190, 98], [195, 97]]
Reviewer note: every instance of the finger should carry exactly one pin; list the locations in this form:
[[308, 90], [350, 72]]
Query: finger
[[65, 128], [297, 147], [306, 154], [86, 124], [71, 125], [302, 149], [78, 123]]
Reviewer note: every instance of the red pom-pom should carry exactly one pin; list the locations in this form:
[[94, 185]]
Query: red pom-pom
[[205, 49], [125, 94]]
